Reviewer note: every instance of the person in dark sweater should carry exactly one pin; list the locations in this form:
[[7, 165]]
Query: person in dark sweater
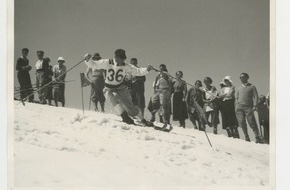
[[245, 106], [48, 76], [23, 68], [194, 102], [179, 95], [138, 88]]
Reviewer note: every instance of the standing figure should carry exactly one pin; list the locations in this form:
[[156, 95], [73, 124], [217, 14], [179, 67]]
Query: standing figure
[[115, 90], [41, 65], [227, 96], [162, 98], [263, 112], [97, 79], [194, 102], [138, 88], [59, 85], [211, 104], [246, 105], [153, 108], [23, 68], [48, 78], [179, 95]]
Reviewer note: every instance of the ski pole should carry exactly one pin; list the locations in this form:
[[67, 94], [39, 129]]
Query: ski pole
[[19, 87], [22, 100], [207, 138]]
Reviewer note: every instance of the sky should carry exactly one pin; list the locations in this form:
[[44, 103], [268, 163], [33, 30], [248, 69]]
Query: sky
[[202, 38]]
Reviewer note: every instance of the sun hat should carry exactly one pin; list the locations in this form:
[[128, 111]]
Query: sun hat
[[60, 59], [227, 78]]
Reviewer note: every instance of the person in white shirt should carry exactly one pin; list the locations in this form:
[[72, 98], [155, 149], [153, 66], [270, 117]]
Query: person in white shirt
[[115, 90], [59, 85], [211, 103], [41, 66], [97, 79], [227, 98]]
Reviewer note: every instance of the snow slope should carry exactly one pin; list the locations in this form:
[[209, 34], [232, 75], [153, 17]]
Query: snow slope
[[62, 147]]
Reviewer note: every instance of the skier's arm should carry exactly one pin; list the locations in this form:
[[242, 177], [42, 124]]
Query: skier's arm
[[100, 64], [135, 71]]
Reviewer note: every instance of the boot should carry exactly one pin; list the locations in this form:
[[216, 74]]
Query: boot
[[161, 119], [215, 130], [247, 138], [236, 133], [103, 106], [126, 118], [182, 123], [152, 117], [259, 140], [229, 132]]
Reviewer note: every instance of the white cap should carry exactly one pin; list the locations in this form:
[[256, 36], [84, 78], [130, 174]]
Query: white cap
[[60, 59], [227, 78]]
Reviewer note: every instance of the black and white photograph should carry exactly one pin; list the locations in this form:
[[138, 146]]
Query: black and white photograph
[[141, 94]]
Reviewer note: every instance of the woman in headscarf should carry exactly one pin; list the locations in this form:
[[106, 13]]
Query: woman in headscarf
[[227, 96]]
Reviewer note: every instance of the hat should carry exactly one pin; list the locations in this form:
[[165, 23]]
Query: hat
[[227, 78], [96, 57], [60, 59], [40, 52]]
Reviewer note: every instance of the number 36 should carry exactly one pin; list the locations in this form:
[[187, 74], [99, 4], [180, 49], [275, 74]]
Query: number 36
[[112, 76]]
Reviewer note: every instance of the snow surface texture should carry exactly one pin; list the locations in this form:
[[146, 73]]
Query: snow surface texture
[[62, 147]]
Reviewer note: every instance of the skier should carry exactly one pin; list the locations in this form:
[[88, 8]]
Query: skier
[[115, 90]]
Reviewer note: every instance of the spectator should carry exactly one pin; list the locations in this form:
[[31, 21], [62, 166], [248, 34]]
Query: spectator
[[41, 65], [179, 95], [162, 98], [227, 96], [246, 105], [153, 108], [23, 68], [211, 104], [48, 78], [263, 112], [194, 102], [97, 79], [138, 88], [59, 86]]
